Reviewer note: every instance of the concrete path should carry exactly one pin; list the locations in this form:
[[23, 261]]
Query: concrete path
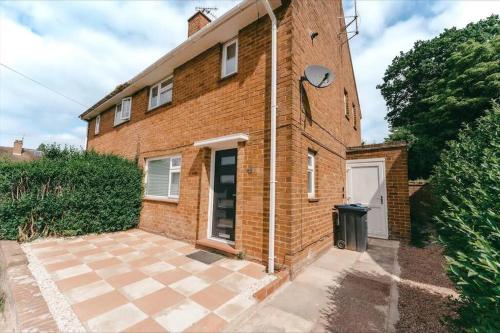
[[343, 291]]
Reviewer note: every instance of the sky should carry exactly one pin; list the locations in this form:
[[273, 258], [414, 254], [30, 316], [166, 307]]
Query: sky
[[82, 50]]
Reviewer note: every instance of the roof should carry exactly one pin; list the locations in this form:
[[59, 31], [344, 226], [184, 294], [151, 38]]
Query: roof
[[218, 31], [26, 155], [378, 146]]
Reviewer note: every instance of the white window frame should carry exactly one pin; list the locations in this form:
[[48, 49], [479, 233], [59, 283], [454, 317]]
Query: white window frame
[[158, 86], [97, 127], [119, 119], [224, 57], [346, 104], [311, 170], [172, 170]]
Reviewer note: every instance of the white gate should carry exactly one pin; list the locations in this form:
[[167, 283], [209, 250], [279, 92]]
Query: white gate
[[366, 185]]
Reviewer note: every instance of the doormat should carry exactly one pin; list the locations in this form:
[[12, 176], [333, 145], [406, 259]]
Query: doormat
[[205, 257]]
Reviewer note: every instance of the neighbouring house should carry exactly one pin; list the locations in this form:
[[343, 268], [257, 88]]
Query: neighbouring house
[[18, 153], [200, 123]]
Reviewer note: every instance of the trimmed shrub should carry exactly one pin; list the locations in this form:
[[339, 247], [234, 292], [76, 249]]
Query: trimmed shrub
[[67, 193], [466, 181]]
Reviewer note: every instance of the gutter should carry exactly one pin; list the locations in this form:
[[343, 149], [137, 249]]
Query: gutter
[[272, 176]]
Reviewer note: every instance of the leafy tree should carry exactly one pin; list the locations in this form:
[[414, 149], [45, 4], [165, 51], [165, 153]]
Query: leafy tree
[[466, 180], [441, 83]]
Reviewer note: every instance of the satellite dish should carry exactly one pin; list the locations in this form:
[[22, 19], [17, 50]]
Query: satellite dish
[[319, 76]]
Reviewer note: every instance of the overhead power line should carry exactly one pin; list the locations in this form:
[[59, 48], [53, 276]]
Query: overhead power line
[[43, 85]]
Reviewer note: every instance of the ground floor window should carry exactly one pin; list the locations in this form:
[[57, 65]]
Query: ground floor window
[[163, 177]]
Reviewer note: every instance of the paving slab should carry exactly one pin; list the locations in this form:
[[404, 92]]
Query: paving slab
[[137, 281], [342, 291]]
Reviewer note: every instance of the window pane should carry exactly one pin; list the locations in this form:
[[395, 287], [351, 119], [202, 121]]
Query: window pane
[[228, 160], [118, 114], [126, 106], [154, 97], [167, 84], [231, 58], [310, 160], [310, 181], [158, 176], [227, 179], [165, 96], [174, 184], [176, 162]]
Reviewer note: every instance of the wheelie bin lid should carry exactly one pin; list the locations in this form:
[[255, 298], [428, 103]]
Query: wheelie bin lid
[[353, 207]]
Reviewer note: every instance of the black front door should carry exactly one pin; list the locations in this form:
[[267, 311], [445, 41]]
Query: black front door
[[224, 209]]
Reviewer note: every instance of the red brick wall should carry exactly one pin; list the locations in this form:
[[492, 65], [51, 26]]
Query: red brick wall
[[396, 168], [204, 106], [319, 124]]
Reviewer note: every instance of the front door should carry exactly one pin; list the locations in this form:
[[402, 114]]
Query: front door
[[366, 185], [224, 195]]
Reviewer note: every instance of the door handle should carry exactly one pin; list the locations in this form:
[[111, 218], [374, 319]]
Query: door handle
[[381, 200]]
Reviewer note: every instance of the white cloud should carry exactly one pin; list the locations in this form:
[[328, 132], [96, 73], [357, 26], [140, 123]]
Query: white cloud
[[388, 27], [83, 49]]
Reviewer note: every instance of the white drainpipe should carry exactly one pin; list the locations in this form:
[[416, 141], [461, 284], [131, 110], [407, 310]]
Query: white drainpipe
[[272, 176]]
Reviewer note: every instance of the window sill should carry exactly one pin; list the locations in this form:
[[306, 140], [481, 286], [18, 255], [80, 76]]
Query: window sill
[[169, 200], [227, 77], [313, 199], [123, 122], [158, 106]]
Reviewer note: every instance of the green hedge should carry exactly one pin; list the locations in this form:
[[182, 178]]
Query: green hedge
[[67, 193], [467, 181]]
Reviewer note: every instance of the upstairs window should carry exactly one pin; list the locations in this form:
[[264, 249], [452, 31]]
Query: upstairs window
[[354, 116], [230, 58], [97, 124], [311, 186], [161, 93], [346, 104], [163, 177], [123, 110]]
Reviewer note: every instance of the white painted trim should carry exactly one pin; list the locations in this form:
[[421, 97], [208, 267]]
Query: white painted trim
[[224, 57], [379, 162], [227, 141], [211, 197], [311, 195]]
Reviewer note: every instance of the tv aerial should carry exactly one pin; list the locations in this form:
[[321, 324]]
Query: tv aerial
[[208, 11], [348, 32], [318, 76]]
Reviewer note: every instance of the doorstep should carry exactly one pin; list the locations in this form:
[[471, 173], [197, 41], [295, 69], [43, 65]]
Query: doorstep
[[220, 247]]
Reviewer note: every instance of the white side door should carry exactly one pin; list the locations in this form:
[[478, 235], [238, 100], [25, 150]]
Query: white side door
[[366, 185]]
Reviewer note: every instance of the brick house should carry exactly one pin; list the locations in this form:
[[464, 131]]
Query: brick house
[[18, 153], [199, 122]]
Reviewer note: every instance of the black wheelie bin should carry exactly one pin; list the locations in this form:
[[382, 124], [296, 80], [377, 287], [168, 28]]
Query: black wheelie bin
[[351, 230]]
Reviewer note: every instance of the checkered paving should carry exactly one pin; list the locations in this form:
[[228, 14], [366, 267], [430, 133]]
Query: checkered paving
[[135, 281]]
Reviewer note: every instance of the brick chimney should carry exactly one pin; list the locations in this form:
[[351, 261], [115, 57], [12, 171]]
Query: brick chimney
[[18, 147], [196, 22]]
